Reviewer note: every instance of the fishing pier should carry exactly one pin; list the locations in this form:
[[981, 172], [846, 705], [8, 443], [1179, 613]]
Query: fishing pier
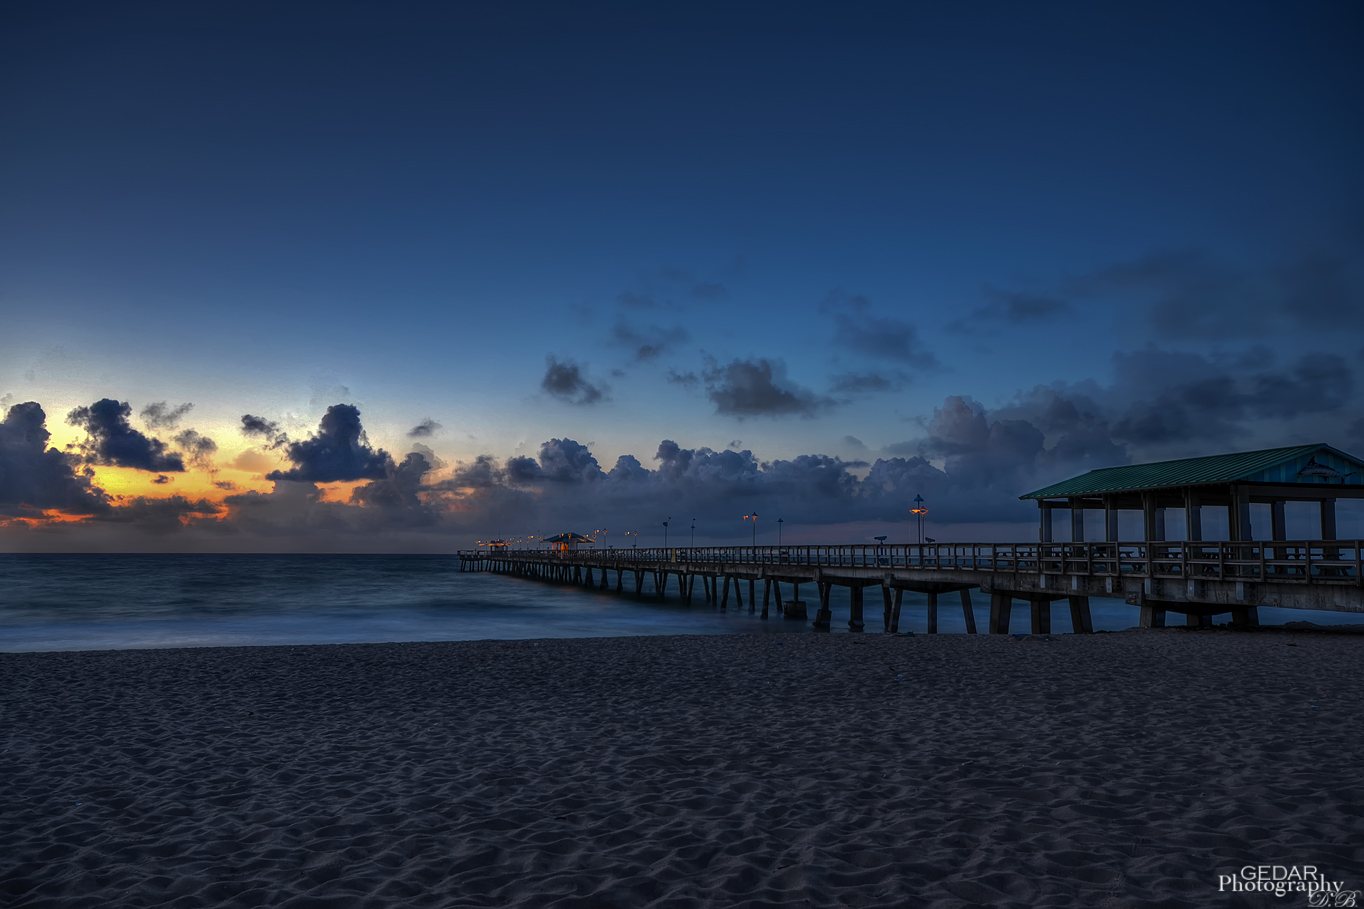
[[1245, 497], [1200, 580]]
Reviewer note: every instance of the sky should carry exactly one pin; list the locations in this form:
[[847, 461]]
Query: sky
[[400, 277]]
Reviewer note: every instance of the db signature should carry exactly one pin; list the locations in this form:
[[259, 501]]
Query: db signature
[[1338, 899]]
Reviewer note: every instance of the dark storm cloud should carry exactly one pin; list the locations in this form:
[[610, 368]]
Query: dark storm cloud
[[567, 461], [1191, 398], [160, 516], [199, 448], [400, 486], [859, 330], [1190, 294], [34, 476], [338, 452], [267, 431], [161, 479], [647, 341], [758, 388], [162, 416], [423, 430], [112, 440], [566, 382]]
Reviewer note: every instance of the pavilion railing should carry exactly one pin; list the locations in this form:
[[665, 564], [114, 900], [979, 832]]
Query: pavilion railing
[[1294, 561]]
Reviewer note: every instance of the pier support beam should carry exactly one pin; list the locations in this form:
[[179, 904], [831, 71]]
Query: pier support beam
[[724, 597], [1041, 617], [1245, 617], [855, 622], [738, 595], [1152, 615], [932, 613], [966, 611], [1080, 620], [1001, 604], [885, 600], [824, 617], [752, 595], [767, 594], [895, 610], [639, 582]]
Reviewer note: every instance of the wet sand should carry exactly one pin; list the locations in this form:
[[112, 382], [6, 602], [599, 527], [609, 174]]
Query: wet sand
[[776, 770]]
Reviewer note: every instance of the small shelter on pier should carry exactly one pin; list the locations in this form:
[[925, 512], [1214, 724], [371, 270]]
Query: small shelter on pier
[[568, 542], [1303, 473]]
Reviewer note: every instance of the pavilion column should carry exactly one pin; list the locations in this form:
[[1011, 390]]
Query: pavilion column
[[1279, 525], [1238, 517], [1044, 508], [1153, 518], [1193, 516], [1328, 519], [1110, 520], [1077, 521]]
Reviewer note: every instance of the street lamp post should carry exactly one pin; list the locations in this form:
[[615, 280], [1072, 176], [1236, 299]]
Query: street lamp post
[[754, 518], [920, 511], [665, 532], [693, 533], [779, 523]]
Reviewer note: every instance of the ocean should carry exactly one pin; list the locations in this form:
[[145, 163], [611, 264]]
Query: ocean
[[100, 602]]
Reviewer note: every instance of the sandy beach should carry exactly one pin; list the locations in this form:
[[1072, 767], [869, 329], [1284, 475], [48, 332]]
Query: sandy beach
[[1122, 769]]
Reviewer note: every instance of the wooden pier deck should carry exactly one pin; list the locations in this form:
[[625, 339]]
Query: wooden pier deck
[[1198, 579]]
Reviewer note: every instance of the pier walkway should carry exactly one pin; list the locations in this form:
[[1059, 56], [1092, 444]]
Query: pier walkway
[[1198, 579]]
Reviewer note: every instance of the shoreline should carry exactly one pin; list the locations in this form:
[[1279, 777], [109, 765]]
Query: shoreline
[[1118, 769]]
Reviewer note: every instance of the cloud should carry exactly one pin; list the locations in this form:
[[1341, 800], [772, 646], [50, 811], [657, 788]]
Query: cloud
[[687, 379], [867, 382], [400, 486], [1189, 294], [1014, 309], [199, 448], [423, 430], [266, 430], [566, 382], [338, 452], [160, 516], [650, 341], [112, 441], [758, 388], [34, 476], [161, 479], [858, 329], [632, 300], [252, 461], [162, 416]]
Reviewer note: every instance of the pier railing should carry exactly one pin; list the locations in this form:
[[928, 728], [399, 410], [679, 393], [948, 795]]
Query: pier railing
[[1301, 561]]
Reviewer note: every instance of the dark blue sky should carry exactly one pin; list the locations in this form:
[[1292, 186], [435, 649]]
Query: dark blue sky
[[795, 230]]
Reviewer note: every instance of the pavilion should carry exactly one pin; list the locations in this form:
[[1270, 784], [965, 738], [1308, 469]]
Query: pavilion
[[1304, 473]]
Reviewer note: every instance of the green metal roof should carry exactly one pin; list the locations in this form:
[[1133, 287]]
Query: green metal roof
[[1302, 464]]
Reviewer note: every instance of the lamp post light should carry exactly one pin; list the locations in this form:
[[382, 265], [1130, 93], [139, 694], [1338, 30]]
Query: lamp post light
[[635, 534], [665, 532], [754, 518], [920, 511], [779, 523], [693, 533]]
